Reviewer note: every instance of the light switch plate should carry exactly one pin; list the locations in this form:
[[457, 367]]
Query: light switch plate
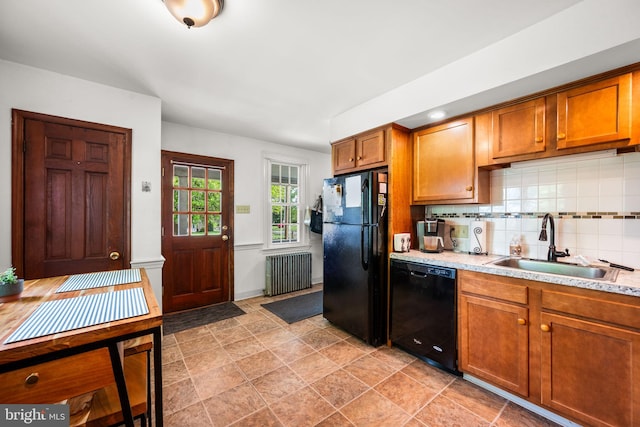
[[243, 209]]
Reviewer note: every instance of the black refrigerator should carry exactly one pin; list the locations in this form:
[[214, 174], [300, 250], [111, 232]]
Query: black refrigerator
[[354, 235]]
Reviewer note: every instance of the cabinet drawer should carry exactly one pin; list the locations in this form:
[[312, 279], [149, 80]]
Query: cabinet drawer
[[497, 287], [59, 379], [614, 312]]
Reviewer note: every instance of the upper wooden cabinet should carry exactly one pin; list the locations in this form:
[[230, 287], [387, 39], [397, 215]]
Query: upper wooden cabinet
[[361, 152], [519, 129], [444, 167], [595, 113]]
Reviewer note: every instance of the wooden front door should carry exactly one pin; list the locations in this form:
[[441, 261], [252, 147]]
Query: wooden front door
[[71, 196], [197, 224]]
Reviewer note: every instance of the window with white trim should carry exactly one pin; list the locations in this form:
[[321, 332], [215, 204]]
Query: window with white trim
[[286, 184]]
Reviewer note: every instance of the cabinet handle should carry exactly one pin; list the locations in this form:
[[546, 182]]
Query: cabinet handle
[[351, 159], [522, 321], [469, 187], [539, 139], [359, 157], [562, 136], [32, 379], [545, 328]]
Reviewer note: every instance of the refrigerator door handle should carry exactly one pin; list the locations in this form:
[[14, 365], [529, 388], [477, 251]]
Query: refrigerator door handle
[[364, 252]]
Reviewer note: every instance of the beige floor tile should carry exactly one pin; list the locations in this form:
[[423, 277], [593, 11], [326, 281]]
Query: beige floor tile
[[434, 379], [405, 392], [293, 350], [192, 334], [215, 381], [261, 326], [259, 364], [372, 409], [302, 408], [262, 418], [342, 353], [173, 372], [277, 384], [479, 401], [234, 404], [335, 420], [444, 412], [178, 396], [232, 334], [369, 370], [516, 416], [313, 367], [171, 354], [275, 338], [191, 416], [201, 344], [244, 348], [199, 362], [340, 388], [319, 338]]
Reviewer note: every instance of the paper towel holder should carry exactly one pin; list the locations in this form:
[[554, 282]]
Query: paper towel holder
[[478, 238]]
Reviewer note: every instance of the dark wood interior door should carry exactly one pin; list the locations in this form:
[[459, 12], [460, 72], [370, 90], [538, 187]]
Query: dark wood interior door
[[76, 178], [197, 223]]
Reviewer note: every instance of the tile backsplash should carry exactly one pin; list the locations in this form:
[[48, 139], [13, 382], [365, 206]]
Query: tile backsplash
[[594, 198]]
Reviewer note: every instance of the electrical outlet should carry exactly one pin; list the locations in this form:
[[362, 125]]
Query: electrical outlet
[[460, 231]]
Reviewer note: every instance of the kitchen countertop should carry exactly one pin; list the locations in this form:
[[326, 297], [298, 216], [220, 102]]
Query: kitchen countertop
[[627, 282]]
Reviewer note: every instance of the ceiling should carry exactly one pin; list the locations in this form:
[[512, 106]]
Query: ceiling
[[274, 70]]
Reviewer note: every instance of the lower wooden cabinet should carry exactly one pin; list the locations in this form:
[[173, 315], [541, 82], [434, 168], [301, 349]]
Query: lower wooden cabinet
[[571, 350]]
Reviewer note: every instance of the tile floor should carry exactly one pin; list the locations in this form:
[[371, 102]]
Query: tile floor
[[257, 370]]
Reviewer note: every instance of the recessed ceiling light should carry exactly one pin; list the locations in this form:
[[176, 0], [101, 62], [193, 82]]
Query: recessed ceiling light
[[438, 114]]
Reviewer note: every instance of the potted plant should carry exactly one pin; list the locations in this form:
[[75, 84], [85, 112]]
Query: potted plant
[[10, 286]]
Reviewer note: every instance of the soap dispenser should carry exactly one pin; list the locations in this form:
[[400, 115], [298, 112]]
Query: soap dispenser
[[515, 249]]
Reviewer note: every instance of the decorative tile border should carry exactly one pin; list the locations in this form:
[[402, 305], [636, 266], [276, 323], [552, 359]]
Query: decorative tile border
[[557, 215]]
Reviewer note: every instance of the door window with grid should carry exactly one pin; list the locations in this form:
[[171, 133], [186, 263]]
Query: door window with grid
[[285, 203], [197, 200]]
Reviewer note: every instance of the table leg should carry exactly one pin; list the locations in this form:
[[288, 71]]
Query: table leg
[[157, 371], [118, 373]]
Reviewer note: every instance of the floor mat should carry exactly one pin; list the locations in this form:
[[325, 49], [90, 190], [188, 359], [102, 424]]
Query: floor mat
[[294, 309], [176, 322]]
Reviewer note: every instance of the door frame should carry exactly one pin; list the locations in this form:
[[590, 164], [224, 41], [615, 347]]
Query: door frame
[[168, 155], [18, 170]]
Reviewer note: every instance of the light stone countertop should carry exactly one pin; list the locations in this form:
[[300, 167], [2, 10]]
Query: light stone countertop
[[627, 282]]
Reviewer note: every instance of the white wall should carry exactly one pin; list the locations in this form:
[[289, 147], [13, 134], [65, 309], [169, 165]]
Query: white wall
[[588, 38], [249, 187], [41, 91]]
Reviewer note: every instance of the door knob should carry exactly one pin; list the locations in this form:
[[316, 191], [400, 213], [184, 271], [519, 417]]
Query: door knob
[[225, 237], [114, 255]]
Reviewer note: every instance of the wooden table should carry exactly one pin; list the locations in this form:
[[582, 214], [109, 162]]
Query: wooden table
[[72, 344]]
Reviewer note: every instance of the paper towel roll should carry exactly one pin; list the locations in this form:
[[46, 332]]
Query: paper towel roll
[[478, 237]]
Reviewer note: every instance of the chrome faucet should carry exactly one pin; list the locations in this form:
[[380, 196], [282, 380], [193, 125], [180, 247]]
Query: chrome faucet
[[552, 255]]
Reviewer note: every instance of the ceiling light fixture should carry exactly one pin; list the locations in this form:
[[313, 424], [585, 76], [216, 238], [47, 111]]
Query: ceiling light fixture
[[194, 13], [437, 114]]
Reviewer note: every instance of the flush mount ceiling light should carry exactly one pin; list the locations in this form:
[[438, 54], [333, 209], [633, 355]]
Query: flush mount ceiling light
[[437, 114], [194, 13]]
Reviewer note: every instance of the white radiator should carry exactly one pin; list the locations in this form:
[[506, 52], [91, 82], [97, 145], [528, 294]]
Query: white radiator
[[287, 273]]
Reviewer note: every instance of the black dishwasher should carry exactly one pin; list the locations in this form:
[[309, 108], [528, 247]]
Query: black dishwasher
[[423, 312]]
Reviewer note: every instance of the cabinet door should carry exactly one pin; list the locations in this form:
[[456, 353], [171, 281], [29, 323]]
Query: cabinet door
[[590, 371], [595, 113], [519, 129], [444, 162], [370, 149], [494, 339], [344, 155]]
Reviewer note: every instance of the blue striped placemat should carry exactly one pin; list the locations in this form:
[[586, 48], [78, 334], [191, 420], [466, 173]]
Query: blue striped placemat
[[78, 282], [64, 315]]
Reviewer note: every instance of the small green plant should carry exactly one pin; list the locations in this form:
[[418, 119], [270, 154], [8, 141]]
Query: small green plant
[[8, 277]]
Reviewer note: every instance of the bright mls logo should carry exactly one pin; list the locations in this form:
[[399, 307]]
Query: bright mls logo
[[34, 415]]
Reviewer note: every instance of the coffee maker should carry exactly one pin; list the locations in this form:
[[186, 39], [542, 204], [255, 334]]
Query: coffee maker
[[430, 234]]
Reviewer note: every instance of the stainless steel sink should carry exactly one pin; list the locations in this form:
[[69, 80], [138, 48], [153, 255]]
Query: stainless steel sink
[[562, 268]]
